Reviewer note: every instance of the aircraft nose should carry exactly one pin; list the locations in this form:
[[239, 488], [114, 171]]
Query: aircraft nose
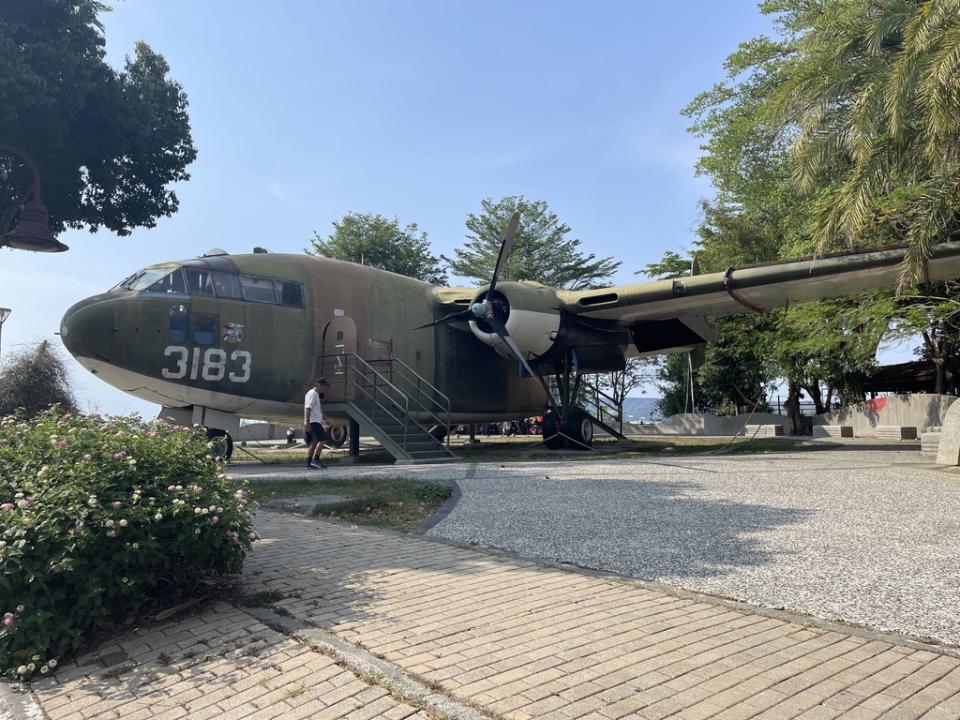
[[87, 329]]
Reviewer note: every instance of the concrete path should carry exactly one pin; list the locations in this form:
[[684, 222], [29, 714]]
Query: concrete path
[[453, 632]]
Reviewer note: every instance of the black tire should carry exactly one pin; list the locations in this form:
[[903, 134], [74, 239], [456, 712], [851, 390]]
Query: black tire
[[221, 443], [579, 428], [439, 432], [336, 436], [551, 431]]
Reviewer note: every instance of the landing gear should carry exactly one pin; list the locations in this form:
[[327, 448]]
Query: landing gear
[[566, 424], [336, 436], [221, 444], [579, 430], [553, 430], [575, 433]]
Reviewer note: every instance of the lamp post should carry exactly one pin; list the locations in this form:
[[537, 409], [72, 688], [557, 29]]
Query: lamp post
[[33, 230], [4, 314]]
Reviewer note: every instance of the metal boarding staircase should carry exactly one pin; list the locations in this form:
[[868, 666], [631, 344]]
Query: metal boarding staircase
[[392, 402]]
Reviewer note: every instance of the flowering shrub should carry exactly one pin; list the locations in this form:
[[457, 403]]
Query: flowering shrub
[[95, 516]]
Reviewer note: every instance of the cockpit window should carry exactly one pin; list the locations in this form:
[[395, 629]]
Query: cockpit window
[[179, 323], [205, 329], [226, 285], [127, 282], [255, 289], [169, 282], [199, 282]]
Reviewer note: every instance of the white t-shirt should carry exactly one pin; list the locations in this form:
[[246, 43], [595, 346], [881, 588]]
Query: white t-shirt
[[312, 401]]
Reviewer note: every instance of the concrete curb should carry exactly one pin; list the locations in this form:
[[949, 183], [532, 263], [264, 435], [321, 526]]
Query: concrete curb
[[398, 682]]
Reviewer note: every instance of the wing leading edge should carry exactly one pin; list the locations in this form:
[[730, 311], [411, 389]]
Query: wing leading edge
[[755, 288]]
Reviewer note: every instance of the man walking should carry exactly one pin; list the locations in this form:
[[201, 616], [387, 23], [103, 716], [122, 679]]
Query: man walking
[[313, 423]]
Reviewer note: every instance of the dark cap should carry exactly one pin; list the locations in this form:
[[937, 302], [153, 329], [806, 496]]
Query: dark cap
[[321, 381]]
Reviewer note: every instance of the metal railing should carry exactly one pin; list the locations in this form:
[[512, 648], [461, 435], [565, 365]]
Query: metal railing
[[385, 392], [428, 400]]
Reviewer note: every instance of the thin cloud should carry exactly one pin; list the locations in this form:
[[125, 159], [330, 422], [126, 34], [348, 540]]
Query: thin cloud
[[280, 192]]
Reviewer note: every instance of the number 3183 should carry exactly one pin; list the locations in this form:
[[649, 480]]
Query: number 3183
[[211, 364]]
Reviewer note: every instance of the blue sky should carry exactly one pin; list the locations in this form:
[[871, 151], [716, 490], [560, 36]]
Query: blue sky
[[304, 111]]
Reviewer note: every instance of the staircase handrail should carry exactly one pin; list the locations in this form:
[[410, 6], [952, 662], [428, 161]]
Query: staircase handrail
[[420, 396], [608, 400], [442, 407], [402, 407]]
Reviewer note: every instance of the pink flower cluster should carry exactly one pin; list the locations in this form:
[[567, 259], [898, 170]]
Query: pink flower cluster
[[19, 501], [9, 617]]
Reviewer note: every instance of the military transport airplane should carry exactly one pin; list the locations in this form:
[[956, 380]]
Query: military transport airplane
[[222, 336]]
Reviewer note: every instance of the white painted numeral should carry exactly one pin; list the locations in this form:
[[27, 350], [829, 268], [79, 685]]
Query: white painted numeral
[[214, 365], [244, 357], [181, 369]]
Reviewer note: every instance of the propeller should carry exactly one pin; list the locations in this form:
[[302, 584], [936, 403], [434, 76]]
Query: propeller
[[486, 310]]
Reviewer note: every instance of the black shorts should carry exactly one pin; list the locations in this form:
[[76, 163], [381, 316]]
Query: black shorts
[[316, 433]]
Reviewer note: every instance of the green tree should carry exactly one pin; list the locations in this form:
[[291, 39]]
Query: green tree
[[109, 144], [34, 379], [381, 243], [871, 88], [543, 251], [835, 131]]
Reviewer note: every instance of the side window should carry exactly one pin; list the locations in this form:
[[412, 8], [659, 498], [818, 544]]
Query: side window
[[291, 294], [226, 285], [255, 289], [205, 329], [199, 282], [170, 284], [179, 323]]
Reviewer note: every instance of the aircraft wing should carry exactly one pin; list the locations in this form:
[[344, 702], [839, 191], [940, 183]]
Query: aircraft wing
[[670, 313], [758, 287]]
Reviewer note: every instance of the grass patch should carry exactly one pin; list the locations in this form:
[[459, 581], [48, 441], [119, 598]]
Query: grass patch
[[396, 503]]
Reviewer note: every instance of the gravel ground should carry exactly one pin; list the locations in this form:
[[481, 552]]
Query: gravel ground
[[870, 537]]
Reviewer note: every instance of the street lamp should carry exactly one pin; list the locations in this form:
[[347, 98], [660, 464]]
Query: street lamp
[[33, 230], [4, 314]]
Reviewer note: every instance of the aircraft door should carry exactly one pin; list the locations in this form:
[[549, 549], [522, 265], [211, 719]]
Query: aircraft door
[[339, 342]]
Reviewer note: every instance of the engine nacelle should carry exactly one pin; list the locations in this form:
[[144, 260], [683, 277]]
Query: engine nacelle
[[532, 318]]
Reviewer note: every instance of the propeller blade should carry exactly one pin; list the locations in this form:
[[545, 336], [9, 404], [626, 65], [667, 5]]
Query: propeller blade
[[509, 237], [454, 317], [501, 330]]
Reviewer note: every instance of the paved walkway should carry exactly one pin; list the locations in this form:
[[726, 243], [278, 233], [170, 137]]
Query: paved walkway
[[509, 637]]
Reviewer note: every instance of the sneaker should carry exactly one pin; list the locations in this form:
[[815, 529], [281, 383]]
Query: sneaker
[[319, 465], [310, 465]]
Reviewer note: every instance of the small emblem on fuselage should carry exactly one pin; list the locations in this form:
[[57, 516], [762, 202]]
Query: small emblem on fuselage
[[232, 333]]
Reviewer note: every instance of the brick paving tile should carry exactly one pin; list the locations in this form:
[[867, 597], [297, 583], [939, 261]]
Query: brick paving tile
[[519, 639], [253, 676]]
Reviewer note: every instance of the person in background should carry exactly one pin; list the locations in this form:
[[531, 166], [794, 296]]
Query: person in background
[[313, 423]]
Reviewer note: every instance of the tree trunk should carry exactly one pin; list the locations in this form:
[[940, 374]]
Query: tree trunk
[[792, 406], [940, 363], [936, 346], [814, 390]]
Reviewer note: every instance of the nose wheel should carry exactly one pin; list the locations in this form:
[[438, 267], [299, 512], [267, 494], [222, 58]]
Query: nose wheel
[[221, 444], [336, 436]]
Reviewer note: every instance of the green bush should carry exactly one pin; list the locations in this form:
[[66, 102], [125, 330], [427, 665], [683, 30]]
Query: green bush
[[99, 517]]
